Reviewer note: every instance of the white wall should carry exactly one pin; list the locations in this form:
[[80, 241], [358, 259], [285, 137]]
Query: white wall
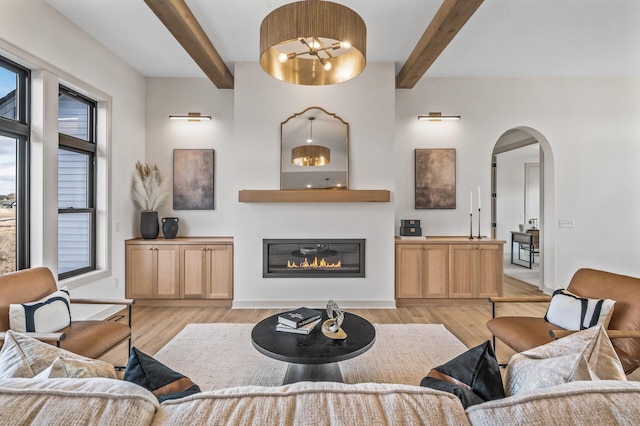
[[178, 96], [592, 128], [36, 36], [261, 104], [590, 125]]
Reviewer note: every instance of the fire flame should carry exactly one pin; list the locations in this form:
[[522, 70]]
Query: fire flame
[[314, 265]]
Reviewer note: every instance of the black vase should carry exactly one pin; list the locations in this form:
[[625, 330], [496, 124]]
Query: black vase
[[170, 227], [149, 228]]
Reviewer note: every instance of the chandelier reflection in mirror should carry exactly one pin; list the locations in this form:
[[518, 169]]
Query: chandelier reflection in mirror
[[313, 42], [310, 155]]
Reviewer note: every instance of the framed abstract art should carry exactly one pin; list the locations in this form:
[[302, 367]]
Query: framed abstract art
[[193, 173], [435, 179]]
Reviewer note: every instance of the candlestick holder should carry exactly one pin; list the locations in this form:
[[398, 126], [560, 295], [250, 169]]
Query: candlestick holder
[[471, 226], [479, 236]]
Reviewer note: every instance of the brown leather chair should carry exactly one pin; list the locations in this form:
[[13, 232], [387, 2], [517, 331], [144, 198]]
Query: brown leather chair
[[88, 338], [523, 333]]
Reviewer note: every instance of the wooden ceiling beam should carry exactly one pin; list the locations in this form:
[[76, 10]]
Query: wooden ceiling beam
[[444, 26], [177, 17]]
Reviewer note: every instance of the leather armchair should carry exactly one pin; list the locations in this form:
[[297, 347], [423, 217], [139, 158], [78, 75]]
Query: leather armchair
[[523, 333], [87, 338]]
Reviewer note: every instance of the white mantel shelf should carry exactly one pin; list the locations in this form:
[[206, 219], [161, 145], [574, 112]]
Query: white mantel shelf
[[314, 196]]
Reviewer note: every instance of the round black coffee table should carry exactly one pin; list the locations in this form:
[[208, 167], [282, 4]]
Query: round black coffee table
[[313, 357]]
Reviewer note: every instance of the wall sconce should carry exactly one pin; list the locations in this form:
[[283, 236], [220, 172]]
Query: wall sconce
[[437, 116], [192, 116]]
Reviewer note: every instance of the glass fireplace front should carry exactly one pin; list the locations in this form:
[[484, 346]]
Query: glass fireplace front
[[313, 258]]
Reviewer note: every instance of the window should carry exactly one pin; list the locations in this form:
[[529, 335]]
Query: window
[[76, 184], [14, 167]]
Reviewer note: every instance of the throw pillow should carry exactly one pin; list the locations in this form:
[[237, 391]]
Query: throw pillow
[[23, 356], [584, 355], [571, 312], [73, 368], [474, 376], [46, 315], [156, 377]]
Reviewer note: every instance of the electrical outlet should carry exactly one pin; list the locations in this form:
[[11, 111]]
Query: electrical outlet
[[117, 282], [566, 223], [117, 226]]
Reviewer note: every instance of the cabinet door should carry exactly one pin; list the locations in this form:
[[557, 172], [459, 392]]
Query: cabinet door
[[490, 270], [193, 269], [140, 271], [167, 282], [462, 270], [408, 271], [219, 282], [435, 271]]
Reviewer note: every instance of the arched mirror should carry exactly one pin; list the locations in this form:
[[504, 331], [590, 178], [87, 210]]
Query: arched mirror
[[314, 151]]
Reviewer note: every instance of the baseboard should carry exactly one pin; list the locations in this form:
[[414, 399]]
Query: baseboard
[[292, 304]]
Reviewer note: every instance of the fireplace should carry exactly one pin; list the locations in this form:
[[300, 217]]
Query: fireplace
[[312, 258]]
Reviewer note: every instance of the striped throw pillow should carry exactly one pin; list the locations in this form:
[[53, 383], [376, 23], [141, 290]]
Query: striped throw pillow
[[571, 312], [49, 314]]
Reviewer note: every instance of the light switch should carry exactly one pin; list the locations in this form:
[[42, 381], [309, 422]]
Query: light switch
[[566, 223]]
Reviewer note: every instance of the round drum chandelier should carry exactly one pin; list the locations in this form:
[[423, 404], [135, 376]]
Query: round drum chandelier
[[313, 42], [311, 155]]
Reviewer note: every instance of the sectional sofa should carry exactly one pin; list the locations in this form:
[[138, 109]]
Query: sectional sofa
[[109, 401]]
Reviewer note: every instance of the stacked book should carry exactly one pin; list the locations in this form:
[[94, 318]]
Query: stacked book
[[299, 321]]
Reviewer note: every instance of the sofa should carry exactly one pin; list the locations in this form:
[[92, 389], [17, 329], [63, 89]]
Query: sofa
[[105, 401]]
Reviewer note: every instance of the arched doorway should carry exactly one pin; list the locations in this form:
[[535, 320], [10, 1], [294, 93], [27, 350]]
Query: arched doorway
[[527, 200]]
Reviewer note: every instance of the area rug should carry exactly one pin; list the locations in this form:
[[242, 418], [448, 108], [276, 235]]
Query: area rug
[[216, 356]]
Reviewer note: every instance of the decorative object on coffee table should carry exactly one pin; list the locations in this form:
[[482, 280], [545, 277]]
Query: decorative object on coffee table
[[332, 327]]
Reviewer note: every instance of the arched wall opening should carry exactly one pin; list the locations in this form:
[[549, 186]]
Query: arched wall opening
[[519, 138]]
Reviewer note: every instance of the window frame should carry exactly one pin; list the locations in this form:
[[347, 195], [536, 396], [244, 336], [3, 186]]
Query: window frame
[[88, 147], [20, 129]]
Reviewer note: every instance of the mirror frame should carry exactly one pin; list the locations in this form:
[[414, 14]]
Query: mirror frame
[[331, 115]]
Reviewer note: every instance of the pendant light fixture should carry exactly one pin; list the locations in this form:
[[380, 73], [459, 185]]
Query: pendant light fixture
[[313, 42], [312, 154]]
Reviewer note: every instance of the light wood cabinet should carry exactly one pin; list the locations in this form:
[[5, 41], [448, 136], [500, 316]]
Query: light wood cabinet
[[152, 271], [446, 269], [421, 271], [187, 271], [476, 270], [206, 271]]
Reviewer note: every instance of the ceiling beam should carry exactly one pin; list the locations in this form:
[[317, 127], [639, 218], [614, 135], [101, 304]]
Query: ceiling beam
[[177, 17], [444, 26]]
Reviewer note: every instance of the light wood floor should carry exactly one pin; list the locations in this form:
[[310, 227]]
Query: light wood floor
[[154, 327]]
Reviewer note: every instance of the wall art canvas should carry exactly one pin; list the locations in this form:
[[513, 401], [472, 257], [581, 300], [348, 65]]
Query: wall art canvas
[[435, 179], [193, 171]]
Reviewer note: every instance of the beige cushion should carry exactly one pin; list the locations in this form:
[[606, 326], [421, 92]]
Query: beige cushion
[[75, 402], [78, 368], [603, 402], [584, 355], [319, 403], [23, 356]]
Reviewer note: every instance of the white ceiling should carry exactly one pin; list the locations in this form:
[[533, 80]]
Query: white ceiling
[[504, 38]]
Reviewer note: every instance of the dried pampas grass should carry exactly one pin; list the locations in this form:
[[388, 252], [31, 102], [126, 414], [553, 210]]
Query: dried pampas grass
[[149, 190]]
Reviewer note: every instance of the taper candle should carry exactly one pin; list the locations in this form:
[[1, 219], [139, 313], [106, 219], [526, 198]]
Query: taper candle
[[471, 202], [478, 197]]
